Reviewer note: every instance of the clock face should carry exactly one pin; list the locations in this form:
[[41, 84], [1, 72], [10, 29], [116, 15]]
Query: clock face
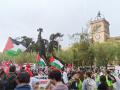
[[97, 36]]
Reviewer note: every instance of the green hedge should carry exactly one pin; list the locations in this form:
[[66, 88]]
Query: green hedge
[[21, 58]]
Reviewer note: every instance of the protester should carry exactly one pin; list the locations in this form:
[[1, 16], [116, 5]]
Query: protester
[[55, 77], [81, 78], [59, 79], [103, 83], [97, 78], [12, 77], [65, 77], [28, 70], [109, 79], [50, 86], [89, 83], [74, 81], [22, 69], [1, 85], [23, 81], [116, 82], [3, 82], [34, 81]]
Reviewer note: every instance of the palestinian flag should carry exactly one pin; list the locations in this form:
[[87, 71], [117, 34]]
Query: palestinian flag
[[40, 61], [56, 63], [13, 47]]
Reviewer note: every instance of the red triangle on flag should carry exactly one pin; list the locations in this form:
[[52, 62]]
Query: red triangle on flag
[[52, 59], [9, 45], [38, 57]]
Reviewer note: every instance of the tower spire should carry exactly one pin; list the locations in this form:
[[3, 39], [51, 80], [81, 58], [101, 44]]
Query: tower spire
[[99, 14]]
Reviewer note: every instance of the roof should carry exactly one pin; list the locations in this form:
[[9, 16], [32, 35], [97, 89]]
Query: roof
[[99, 20], [115, 38]]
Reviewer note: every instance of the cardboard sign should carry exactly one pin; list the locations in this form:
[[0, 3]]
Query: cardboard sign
[[43, 81]]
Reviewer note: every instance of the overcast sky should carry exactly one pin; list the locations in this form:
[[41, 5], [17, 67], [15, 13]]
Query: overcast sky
[[24, 17]]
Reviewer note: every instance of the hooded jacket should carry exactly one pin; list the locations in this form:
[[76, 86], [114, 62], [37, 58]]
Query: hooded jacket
[[89, 84]]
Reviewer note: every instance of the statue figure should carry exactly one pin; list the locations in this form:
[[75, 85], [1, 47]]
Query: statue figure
[[42, 44], [40, 30], [53, 42]]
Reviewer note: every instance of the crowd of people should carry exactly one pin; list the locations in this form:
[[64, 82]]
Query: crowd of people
[[75, 79]]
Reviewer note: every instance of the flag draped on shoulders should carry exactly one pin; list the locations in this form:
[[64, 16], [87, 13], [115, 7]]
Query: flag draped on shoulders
[[13, 47], [40, 61], [56, 63]]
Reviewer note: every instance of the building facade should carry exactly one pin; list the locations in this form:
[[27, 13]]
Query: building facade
[[100, 30]]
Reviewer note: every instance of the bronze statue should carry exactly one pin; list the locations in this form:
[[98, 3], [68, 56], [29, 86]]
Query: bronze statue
[[40, 30]]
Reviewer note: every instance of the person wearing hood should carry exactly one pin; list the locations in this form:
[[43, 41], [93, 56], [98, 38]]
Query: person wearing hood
[[89, 83]]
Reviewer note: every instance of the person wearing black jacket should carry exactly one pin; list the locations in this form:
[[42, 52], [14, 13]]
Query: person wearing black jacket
[[103, 83], [12, 77]]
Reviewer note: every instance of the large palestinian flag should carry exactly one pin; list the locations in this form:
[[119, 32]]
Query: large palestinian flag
[[40, 61], [13, 47], [56, 63]]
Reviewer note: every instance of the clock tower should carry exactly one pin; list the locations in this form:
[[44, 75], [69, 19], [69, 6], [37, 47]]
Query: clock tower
[[99, 29]]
